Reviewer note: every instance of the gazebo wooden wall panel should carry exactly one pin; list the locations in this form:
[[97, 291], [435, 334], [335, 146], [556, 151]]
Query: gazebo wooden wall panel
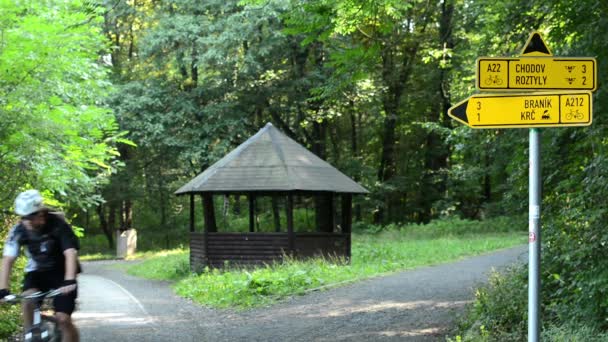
[[215, 249], [198, 258], [321, 244], [241, 248]]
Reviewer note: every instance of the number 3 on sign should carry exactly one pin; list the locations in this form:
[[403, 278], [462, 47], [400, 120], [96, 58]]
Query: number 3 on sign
[[478, 108]]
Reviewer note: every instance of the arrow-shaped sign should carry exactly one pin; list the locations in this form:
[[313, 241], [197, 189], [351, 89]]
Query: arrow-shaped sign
[[546, 109], [535, 46]]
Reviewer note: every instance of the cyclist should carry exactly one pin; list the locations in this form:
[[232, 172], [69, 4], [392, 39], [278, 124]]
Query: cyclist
[[52, 251]]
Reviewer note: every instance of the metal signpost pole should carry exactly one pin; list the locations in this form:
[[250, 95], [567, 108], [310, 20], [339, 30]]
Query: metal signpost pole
[[534, 238]]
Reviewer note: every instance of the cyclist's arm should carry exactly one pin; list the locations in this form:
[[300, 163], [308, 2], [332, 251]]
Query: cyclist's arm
[[5, 272], [71, 263], [9, 254]]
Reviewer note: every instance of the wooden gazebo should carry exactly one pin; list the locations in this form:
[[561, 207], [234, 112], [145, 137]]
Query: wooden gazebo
[[271, 164]]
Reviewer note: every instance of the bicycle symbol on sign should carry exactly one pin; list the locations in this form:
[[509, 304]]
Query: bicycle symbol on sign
[[574, 114], [493, 80]]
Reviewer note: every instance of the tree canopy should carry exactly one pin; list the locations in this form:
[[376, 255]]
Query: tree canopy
[[56, 133]]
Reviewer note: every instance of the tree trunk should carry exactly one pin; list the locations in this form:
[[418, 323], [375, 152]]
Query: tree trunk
[[112, 217], [354, 142], [226, 207], [395, 72], [162, 202], [487, 181], [109, 233], [437, 153], [252, 212], [323, 206], [237, 204], [126, 217]]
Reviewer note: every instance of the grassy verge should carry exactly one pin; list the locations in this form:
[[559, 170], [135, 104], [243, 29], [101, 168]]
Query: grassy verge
[[393, 249], [136, 256]]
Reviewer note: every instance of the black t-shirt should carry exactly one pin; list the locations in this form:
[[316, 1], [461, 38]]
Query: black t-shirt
[[44, 248]]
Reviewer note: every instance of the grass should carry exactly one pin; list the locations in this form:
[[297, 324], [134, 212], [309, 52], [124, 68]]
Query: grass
[[394, 249], [165, 265]]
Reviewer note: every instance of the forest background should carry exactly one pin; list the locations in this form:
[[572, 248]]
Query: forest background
[[108, 106]]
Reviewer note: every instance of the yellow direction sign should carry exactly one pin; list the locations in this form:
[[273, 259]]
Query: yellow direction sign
[[536, 73], [542, 109]]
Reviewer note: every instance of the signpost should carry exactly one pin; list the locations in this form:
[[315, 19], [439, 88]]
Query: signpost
[[550, 109], [536, 69]]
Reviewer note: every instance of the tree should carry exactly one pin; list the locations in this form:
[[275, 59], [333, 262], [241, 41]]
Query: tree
[[55, 132]]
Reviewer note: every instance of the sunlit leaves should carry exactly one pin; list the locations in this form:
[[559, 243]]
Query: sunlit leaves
[[54, 124]]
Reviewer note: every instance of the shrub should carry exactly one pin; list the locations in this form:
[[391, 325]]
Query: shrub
[[10, 315], [499, 312], [573, 333]]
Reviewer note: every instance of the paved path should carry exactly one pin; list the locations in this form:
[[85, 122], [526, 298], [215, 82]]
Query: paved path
[[416, 305]]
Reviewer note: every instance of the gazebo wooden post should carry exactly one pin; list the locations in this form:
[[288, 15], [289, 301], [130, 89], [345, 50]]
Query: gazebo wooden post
[[347, 200], [209, 213], [324, 217], [290, 233], [332, 212], [192, 213], [251, 198], [209, 219]]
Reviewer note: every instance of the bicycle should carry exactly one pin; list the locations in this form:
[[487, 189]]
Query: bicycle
[[44, 325]]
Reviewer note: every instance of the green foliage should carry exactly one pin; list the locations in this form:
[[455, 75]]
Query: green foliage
[[10, 321], [405, 249], [242, 288], [499, 312], [574, 333], [166, 265], [55, 133], [450, 227], [10, 315]]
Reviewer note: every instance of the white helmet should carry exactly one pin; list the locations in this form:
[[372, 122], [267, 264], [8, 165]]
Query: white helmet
[[28, 202]]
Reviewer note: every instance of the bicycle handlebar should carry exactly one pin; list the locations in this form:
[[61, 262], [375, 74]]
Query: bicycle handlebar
[[12, 298]]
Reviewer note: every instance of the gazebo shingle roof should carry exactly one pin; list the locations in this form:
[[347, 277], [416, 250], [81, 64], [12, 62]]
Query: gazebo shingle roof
[[271, 161]]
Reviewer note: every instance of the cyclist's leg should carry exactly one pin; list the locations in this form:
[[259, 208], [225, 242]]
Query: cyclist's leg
[[31, 284], [64, 306], [67, 327]]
